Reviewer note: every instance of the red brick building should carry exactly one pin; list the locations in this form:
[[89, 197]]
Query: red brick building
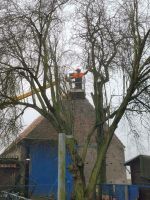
[[41, 131]]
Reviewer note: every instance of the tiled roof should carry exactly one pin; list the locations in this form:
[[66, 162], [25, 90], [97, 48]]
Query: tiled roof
[[42, 129], [30, 128]]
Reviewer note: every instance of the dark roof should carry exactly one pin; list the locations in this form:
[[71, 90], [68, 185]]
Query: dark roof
[[136, 158]]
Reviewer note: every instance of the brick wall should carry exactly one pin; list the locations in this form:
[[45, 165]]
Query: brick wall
[[115, 159], [84, 120]]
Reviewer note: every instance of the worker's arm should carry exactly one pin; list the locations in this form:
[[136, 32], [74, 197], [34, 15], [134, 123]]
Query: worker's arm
[[88, 70]]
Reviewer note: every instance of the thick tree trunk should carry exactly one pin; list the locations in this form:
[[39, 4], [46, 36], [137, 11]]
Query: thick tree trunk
[[79, 192], [77, 170], [96, 171]]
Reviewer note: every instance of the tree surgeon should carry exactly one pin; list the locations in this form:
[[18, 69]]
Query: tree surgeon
[[78, 75]]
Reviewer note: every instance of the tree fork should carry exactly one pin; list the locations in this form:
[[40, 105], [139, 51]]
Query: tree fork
[[77, 169], [96, 169]]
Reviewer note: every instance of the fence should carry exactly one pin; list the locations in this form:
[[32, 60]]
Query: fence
[[40, 191], [125, 192], [108, 191]]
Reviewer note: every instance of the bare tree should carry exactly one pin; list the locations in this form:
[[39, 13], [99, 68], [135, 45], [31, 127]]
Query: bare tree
[[29, 55], [115, 41], [31, 58]]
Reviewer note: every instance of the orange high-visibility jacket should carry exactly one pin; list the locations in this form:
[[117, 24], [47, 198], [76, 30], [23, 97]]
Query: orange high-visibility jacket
[[77, 75]]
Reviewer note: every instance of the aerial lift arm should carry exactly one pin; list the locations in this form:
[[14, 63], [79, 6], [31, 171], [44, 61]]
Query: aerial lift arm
[[23, 96], [28, 94]]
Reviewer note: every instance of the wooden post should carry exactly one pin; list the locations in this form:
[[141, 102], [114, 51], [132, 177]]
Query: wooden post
[[61, 166]]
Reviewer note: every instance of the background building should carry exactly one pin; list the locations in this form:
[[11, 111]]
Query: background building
[[140, 169]]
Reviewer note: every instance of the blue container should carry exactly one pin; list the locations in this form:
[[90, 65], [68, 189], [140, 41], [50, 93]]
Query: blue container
[[133, 192], [120, 192]]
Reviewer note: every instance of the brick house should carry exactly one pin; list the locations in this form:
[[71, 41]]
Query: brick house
[[40, 138]]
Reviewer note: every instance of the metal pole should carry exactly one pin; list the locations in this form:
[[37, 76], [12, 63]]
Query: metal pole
[[61, 166]]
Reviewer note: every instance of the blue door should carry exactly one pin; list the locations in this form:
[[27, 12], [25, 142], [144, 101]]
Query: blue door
[[44, 170]]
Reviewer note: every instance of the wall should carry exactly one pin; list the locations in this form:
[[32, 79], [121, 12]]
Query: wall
[[136, 173], [7, 178], [19, 151], [115, 159]]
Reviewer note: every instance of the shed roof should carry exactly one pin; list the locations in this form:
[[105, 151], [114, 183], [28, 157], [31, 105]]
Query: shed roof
[[9, 162], [138, 157]]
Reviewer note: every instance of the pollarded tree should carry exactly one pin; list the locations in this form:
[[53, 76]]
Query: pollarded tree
[[116, 42], [31, 58]]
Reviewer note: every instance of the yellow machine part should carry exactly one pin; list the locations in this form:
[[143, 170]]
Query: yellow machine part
[[28, 94]]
